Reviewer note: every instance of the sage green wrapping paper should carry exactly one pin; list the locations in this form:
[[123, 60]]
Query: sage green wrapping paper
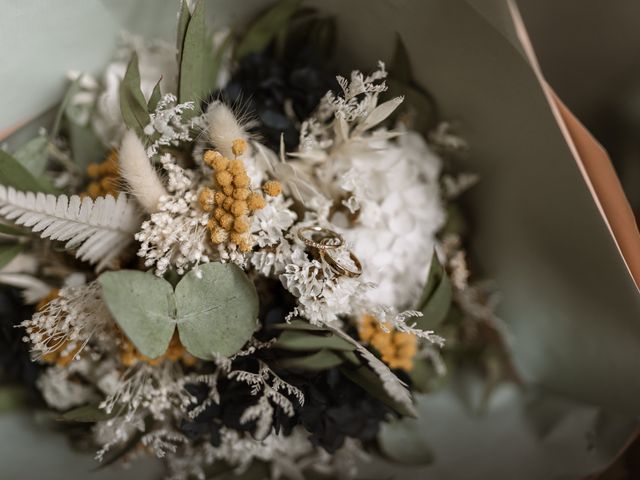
[[570, 305]]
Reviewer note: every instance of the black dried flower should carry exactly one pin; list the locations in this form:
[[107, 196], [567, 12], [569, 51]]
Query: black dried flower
[[15, 362]]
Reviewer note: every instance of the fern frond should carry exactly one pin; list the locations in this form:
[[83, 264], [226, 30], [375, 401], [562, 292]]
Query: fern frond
[[99, 229]]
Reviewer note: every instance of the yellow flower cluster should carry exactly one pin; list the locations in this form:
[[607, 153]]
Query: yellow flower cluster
[[105, 177], [129, 354], [397, 349], [233, 202]]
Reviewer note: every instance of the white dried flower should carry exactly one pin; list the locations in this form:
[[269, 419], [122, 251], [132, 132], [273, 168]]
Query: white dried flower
[[168, 125], [68, 323], [176, 235]]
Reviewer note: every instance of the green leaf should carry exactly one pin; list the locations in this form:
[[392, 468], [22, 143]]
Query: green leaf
[[258, 470], [217, 310], [456, 221], [86, 147], [8, 252], [195, 53], [420, 105], [371, 383], [14, 174], [10, 230], [266, 27], [33, 155], [62, 108], [144, 307], [155, 97], [212, 67], [425, 379], [323, 36], [183, 21], [12, 397], [400, 68], [436, 297], [133, 106], [305, 341], [321, 360], [214, 309], [350, 357], [86, 414], [298, 324]]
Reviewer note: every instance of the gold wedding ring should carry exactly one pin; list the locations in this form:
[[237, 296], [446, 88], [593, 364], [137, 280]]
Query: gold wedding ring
[[339, 268], [328, 238]]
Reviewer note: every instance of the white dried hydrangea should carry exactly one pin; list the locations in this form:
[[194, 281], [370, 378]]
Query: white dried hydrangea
[[386, 181]]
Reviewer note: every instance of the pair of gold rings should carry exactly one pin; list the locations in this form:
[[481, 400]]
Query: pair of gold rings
[[324, 241]]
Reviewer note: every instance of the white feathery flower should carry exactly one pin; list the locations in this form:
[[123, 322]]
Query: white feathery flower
[[176, 235], [67, 323], [62, 390]]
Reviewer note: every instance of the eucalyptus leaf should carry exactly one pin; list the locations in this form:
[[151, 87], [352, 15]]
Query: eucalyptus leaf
[[266, 27], [306, 341], [33, 155], [155, 97], [8, 252], [321, 360], [217, 309], [14, 174], [214, 309], [86, 414], [436, 298], [144, 307], [133, 106], [195, 52]]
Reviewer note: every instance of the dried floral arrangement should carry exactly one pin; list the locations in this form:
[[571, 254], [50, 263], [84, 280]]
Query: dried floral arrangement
[[239, 260]]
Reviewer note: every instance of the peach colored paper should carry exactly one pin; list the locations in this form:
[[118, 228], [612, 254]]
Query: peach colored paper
[[594, 164]]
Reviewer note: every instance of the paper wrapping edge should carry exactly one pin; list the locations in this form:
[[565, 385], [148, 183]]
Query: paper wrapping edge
[[594, 165]]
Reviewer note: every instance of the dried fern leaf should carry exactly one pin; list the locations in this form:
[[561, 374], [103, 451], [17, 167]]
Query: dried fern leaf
[[98, 229]]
